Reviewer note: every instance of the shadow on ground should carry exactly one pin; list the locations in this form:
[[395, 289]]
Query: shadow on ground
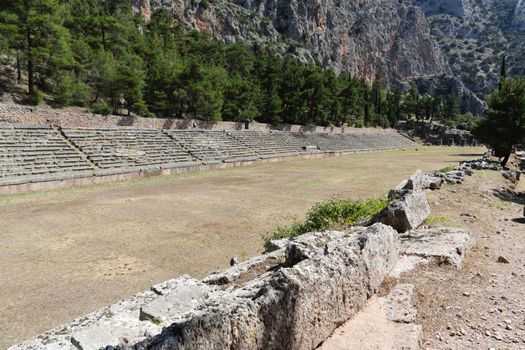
[[508, 196], [467, 155]]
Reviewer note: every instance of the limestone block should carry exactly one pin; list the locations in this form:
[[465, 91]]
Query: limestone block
[[399, 306], [407, 263], [232, 274], [448, 245], [93, 338], [407, 336], [413, 183], [432, 182], [182, 295], [406, 213]]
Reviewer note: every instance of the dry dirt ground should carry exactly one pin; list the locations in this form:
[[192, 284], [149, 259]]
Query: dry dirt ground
[[68, 252], [482, 306]]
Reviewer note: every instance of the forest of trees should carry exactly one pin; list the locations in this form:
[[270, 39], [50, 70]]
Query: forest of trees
[[98, 54]]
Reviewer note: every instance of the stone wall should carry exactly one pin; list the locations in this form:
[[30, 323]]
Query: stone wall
[[30, 115]]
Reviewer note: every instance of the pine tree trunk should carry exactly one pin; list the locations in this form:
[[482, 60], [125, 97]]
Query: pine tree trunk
[[30, 77], [30, 66], [18, 70], [505, 160]]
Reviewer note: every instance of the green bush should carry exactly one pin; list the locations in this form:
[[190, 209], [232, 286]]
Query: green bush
[[332, 214], [101, 108], [36, 97], [447, 169]]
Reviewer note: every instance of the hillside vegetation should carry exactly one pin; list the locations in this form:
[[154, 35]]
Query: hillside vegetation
[[102, 56]]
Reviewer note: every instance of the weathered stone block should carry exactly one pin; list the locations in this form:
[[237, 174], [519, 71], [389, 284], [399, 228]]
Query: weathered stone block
[[432, 182], [182, 296], [448, 245], [232, 274], [406, 213]]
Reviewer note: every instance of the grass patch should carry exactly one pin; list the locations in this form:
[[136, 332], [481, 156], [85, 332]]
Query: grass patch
[[333, 214], [447, 169], [436, 221]]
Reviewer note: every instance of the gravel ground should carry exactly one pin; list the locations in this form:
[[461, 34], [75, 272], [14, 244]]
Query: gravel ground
[[482, 306]]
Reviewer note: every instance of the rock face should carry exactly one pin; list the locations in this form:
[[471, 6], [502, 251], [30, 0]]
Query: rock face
[[518, 21], [441, 135], [457, 8], [375, 39], [446, 44]]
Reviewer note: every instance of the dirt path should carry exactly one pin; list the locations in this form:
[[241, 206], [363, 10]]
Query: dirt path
[[68, 252], [483, 305]]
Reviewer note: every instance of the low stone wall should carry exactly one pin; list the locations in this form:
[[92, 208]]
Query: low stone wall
[[28, 115]]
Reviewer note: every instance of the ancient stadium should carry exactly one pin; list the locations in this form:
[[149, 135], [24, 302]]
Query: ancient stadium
[[129, 227]]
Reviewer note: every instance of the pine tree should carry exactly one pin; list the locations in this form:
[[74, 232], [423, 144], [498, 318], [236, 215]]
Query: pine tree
[[503, 71], [451, 109], [505, 123], [34, 30]]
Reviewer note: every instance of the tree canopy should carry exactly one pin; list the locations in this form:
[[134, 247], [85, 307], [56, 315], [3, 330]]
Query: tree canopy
[[504, 126]]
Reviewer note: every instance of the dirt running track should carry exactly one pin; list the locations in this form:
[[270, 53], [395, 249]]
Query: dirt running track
[[68, 252]]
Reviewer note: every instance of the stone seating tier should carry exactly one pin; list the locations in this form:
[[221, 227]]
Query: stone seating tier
[[128, 147], [31, 153], [27, 151], [268, 145], [213, 146]]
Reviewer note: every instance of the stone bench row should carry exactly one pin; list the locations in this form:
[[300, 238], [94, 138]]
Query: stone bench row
[[24, 149]]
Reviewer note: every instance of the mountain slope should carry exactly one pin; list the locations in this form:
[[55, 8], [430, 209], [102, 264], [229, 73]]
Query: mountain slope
[[452, 45]]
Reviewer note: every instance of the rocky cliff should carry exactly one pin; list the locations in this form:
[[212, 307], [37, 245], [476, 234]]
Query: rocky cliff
[[394, 41], [386, 39], [518, 20]]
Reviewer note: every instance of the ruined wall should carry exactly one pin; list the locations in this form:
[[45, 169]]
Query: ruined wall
[[39, 116]]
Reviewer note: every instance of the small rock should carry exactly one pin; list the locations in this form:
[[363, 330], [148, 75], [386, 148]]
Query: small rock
[[503, 260]]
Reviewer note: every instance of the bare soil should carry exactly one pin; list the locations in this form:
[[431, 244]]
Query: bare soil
[[65, 253]]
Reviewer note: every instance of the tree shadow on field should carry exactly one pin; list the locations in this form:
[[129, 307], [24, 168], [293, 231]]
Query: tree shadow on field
[[519, 220], [467, 155]]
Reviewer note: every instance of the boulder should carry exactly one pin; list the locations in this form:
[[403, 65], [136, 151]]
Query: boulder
[[431, 182], [406, 213]]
